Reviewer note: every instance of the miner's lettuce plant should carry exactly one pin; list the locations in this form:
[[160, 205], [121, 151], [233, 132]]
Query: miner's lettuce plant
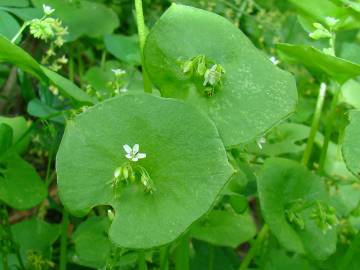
[[182, 146]]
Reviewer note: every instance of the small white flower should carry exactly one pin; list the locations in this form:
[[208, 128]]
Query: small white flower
[[133, 153], [212, 76], [274, 60], [48, 10], [118, 72], [260, 142], [330, 21]]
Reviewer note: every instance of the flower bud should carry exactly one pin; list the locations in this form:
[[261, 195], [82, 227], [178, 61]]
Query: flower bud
[[319, 34], [117, 172], [111, 215], [125, 172]]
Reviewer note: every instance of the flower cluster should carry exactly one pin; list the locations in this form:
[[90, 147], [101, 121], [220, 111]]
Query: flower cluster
[[132, 172], [210, 72], [324, 216], [326, 32], [46, 29], [117, 84]]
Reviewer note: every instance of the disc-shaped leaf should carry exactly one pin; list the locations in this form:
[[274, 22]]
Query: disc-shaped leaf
[[20, 185], [255, 94], [185, 159], [351, 146], [93, 230], [224, 228], [319, 62], [125, 48], [286, 186]]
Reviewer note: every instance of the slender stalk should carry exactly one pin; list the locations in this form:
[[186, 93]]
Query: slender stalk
[[164, 258], [142, 261], [71, 63], [182, 254], [48, 167], [5, 262], [350, 254], [103, 59], [142, 37], [255, 247], [13, 40], [315, 124], [63, 239], [80, 66], [211, 257], [329, 128]]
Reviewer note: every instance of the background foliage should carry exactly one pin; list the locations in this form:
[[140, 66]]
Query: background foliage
[[259, 171]]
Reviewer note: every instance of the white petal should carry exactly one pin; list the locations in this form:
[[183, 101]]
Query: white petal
[[134, 159], [129, 156], [127, 148], [135, 148], [141, 155]]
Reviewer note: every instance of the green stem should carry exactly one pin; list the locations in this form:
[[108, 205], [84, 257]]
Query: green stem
[[80, 67], [211, 257], [164, 258], [63, 239], [332, 43], [71, 63], [182, 254], [142, 37], [255, 247], [13, 40], [350, 254], [315, 124], [5, 262], [48, 167], [142, 261], [103, 59], [328, 128]]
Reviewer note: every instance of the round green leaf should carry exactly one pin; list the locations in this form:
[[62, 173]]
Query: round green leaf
[[254, 96], [282, 184], [81, 15], [351, 147], [93, 230], [20, 185], [224, 228], [185, 159], [125, 48]]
